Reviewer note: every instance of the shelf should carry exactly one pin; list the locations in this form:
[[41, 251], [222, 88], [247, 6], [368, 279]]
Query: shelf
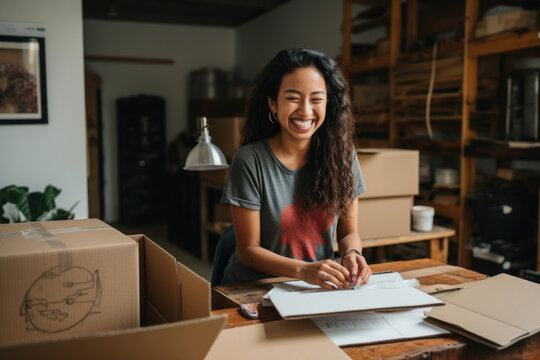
[[370, 23], [359, 65], [371, 143], [440, 147], [409, 119], [503, 149], [444, 49], [505, 43]]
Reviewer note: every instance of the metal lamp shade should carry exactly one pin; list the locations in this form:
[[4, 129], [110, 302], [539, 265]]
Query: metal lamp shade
[[205, 156]]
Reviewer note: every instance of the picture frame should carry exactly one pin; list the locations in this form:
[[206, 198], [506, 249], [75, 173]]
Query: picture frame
[[23, 86]]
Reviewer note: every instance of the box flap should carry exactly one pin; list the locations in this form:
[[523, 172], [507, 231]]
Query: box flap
[[180, 340], [162, 289], [275, 340], [498, 334], [504, 297], [195, 292], [139, 238], [501, 309]]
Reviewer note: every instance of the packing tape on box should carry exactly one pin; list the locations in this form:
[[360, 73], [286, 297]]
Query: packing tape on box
[[34, 234], [38, 232]]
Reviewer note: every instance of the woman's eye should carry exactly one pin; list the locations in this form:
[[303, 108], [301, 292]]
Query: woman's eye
[[317, 100], [293, 98]]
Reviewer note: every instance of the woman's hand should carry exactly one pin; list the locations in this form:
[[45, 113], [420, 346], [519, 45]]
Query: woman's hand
[[324, 273], [357, 266]]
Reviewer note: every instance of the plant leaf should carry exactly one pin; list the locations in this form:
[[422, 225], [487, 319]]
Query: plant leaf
[[62, 214], [37, 205], [51, 193], [19, 196]]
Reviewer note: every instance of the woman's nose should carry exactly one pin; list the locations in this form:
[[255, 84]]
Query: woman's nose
[[305, 108]]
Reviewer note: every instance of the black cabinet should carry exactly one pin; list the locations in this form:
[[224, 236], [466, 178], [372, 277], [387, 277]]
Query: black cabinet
[[141, 157]]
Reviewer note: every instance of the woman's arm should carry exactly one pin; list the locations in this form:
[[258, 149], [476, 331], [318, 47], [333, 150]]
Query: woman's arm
[[247, 228], [350, 246]]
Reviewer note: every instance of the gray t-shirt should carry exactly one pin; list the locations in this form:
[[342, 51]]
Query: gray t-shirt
[[259, 181]]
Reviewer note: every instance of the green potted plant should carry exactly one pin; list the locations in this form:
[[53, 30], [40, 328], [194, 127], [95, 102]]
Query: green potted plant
[[17, 204]]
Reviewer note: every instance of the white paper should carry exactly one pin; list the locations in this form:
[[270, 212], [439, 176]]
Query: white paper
[[376, 280], [299, 299], [372, 327]]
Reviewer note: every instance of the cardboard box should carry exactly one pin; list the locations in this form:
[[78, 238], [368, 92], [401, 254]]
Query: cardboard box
[[61, 278], [382, 217], [495, 24], [513, 174], [170, 292], [389, 172], [226, 133], [497, 311]]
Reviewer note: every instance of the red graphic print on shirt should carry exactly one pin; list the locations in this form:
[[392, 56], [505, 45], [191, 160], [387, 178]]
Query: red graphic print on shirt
[[304, 233]]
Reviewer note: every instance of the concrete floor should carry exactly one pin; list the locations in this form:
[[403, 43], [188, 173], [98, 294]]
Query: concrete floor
[[158, 233]]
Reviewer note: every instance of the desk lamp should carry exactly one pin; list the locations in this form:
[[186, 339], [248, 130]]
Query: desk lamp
[[205, 156]]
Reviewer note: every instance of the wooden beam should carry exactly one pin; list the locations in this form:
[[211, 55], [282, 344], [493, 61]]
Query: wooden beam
[[127, 59], [346, 51], [412, 22], [395, 37], [468, 165], [505, 43], [368, 64]]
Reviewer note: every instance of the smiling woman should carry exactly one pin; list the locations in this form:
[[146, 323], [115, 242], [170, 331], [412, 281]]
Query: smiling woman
[[294, 182]]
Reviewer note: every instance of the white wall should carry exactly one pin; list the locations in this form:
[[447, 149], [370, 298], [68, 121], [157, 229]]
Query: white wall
[[53, 153], [312, 24], [190, 47]]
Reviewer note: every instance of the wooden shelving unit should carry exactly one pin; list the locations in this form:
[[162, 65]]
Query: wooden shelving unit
[[471, 87], [499, 44]]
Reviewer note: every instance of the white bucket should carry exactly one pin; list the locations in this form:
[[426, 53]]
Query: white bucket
[[422, 218]]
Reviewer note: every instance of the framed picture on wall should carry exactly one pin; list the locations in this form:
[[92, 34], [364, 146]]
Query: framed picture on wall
[[23, 88]]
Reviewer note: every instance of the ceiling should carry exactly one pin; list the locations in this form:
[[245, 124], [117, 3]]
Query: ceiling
[[228, 13]]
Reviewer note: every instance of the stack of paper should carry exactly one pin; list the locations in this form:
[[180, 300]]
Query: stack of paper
[[300, 300], [296, 299]]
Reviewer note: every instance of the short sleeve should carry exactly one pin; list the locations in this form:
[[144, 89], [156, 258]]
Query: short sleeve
[[359, 185], [243, 186]]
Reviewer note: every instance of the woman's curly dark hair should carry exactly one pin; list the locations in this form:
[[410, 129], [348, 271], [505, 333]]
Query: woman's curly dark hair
[[330, 179]]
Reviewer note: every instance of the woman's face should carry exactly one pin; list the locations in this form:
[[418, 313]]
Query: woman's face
[[301, 103]]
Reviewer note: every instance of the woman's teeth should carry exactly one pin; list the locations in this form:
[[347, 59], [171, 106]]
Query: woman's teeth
[[303, 124]]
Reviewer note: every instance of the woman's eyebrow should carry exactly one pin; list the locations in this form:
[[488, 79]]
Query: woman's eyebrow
[[299, 93]]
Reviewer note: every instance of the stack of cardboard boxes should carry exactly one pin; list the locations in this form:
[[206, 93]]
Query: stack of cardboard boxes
[[391, 178]]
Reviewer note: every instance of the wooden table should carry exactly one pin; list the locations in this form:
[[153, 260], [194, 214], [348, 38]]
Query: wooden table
[[438, 239], [430, 273]]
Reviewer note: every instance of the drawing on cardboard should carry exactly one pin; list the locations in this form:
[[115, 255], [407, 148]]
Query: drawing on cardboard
[[61, 298]]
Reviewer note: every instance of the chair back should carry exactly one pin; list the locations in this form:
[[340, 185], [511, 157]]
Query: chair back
[[225, 248]]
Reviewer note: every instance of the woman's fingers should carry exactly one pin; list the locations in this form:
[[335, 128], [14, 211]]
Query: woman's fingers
[[365, 273], [336, 274]]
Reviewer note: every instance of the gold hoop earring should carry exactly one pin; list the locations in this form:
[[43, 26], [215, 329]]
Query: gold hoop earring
[[272, 117]]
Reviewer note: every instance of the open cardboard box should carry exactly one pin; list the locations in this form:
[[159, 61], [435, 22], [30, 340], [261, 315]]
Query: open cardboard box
[[175, 309]]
